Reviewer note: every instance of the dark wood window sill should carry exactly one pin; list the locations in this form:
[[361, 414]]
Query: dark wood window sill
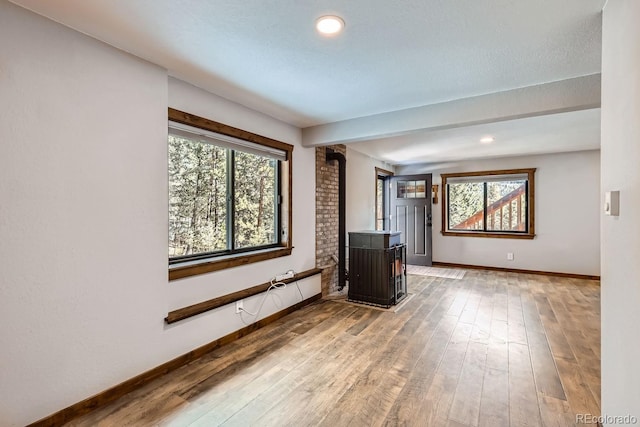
[[194, 268], [491, 235]]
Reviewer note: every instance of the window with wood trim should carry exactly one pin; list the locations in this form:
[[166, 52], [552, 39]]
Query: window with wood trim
[[381, 194], [228, 195], [489, 204]]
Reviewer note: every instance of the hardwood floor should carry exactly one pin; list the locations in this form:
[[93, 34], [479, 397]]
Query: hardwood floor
[[491, 349]]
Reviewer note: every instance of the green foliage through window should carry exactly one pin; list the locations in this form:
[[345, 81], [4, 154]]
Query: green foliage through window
[[255, 200], [221, 200], [466, 206], [496, 202]]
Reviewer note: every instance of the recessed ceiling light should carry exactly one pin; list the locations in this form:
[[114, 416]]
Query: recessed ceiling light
[[329, 25], [487, 140]]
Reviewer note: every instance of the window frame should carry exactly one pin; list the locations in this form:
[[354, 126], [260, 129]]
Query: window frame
[[381, 175], [529, 234], [206, 263]]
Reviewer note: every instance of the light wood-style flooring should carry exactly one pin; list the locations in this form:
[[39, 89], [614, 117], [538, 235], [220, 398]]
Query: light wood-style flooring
[[492, 349]]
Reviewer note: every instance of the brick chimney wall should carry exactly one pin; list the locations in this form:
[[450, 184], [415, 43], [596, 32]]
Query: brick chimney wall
[[327, 217]]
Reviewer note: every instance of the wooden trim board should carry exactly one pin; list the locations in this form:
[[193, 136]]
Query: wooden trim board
[[214, 264], [85, 406], [217, 127], [195, 309], [515, 270]]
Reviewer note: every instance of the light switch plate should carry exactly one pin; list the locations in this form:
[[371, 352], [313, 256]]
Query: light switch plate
[[612, 203]]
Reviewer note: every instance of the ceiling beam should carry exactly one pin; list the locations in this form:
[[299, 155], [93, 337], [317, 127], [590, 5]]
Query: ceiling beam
[[549, 98]]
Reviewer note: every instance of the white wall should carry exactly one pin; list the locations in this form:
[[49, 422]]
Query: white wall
[[186, 97], [620, 299], [83, 218], [361, 196], [566, 216]]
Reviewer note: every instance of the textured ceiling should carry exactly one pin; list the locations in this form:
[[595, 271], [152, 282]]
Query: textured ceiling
[[392, 55]]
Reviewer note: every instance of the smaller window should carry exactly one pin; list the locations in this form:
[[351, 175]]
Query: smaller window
[[381, 197], [489, 204], [412, 189]]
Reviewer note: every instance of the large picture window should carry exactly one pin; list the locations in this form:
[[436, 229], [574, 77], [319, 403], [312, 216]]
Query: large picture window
[[226, 194], [489, 204]]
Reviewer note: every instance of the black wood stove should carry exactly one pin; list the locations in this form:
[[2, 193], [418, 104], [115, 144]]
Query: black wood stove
[[377, 268]]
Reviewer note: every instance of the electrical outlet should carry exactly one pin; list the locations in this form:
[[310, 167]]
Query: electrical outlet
[[239, 307], [510, 256]]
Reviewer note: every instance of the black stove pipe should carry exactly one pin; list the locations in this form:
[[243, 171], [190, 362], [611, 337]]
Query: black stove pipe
[[342, 211]]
